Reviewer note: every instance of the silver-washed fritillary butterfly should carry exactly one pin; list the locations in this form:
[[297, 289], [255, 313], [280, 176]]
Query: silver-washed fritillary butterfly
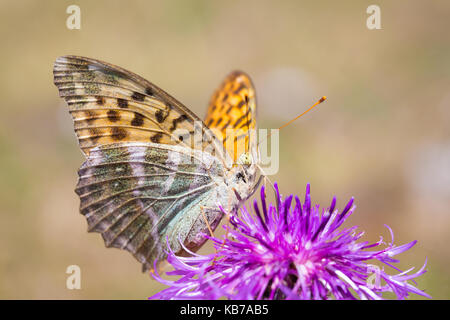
[[144, 185]]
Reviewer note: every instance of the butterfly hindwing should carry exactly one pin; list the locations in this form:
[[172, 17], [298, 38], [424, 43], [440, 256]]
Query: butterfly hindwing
[[110, 104], [233, 106], [137, 194]]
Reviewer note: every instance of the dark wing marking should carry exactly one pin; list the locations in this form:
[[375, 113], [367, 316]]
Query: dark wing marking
[[233, 106], [110, 104]]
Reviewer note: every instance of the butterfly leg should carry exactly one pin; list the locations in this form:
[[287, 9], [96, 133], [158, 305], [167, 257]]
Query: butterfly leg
[[227, 228], [266, 178], [226, 232], [224, 240], [202, 208]]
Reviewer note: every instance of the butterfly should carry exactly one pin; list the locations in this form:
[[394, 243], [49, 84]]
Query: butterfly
[[147, 184]]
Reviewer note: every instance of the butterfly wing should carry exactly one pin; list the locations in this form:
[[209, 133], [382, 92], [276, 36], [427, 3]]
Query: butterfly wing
[[131, 190], [110, 104], [233, 106], [137, 195]]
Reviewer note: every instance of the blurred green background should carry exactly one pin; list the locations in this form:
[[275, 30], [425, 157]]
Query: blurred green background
[[383, 135]]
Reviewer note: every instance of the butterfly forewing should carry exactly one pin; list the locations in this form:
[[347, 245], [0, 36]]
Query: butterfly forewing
[[110, 104], [233, 106]]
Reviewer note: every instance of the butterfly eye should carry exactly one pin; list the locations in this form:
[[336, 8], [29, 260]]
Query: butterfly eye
[[245, 159], [240, 176]]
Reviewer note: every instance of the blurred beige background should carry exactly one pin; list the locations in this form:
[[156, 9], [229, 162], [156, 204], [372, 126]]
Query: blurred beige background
[[383, 135]]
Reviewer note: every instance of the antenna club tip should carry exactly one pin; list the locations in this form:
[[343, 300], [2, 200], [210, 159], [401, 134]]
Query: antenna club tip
[[323, 99]]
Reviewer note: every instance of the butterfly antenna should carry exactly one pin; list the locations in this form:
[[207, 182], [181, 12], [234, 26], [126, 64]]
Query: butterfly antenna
[[289, 122]]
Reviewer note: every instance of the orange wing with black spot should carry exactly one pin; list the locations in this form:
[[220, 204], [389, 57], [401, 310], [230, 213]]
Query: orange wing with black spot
[[110, 104], [232, 115]]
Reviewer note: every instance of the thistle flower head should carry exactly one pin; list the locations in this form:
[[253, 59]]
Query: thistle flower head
[[291, 251]]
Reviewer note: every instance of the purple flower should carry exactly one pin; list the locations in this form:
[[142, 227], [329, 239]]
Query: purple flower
[[291, 251]]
